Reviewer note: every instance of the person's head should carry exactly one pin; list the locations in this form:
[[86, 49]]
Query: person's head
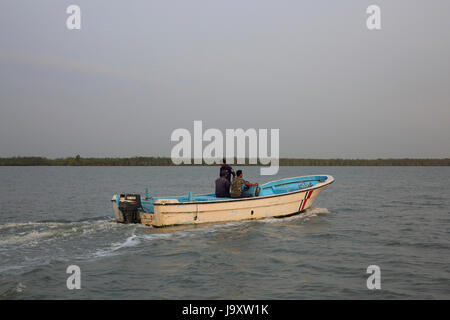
[[239, 173], [223, 174], [224, 162]]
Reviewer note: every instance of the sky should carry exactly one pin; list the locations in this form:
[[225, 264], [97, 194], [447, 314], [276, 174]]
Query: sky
[[138, 70]]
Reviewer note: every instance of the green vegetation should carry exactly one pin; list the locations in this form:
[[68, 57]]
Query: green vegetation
[[165, 161]]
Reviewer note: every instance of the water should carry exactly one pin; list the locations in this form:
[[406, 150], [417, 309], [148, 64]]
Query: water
[[394, 217]]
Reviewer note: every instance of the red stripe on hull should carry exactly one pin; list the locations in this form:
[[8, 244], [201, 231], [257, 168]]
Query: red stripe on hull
[[307, 197]]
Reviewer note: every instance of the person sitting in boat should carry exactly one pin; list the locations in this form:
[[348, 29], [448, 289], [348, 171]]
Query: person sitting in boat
[[222, 186], [227, 169], [236, 186]]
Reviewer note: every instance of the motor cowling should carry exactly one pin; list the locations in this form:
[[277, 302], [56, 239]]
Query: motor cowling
[[129, 205]]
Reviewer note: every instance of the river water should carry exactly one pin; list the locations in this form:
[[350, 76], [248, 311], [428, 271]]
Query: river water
[[397, 218]]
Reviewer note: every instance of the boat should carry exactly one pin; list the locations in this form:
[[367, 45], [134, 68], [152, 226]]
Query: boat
[[275, 199]]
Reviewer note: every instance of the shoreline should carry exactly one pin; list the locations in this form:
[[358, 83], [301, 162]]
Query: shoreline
[[165, 161]]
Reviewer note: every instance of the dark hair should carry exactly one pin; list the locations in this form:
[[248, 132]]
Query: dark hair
[[238, 173], [224, 160], [223, 173]]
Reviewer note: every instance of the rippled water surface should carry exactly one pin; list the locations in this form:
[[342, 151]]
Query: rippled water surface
[[395, 217]]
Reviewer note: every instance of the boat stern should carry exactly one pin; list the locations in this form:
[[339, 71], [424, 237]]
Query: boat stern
[[127, 207], [115, 203]]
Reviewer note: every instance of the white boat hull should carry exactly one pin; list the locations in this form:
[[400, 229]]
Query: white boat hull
[[169, 214]]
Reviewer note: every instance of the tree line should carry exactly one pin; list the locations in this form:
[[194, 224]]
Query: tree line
[[166, 161]]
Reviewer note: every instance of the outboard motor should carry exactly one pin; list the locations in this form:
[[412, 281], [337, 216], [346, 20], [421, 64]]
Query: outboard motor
[[129, 205]]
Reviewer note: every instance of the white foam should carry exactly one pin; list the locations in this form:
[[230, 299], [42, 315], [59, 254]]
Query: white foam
[[131, 241], [16, 225], [20, 287], [317, 211], [47, 231], [159, 236], [29, 238]]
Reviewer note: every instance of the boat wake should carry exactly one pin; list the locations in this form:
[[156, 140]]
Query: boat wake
[[33, 233], [31, 244]]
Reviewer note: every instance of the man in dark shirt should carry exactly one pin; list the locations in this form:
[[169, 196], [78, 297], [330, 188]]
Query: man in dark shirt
[[227, 169], [222, 186]]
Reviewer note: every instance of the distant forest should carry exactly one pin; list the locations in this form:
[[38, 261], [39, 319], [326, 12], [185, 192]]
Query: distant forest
[[165, 161]]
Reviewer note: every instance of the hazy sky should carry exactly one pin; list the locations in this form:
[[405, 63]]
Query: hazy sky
[[137, 70]]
